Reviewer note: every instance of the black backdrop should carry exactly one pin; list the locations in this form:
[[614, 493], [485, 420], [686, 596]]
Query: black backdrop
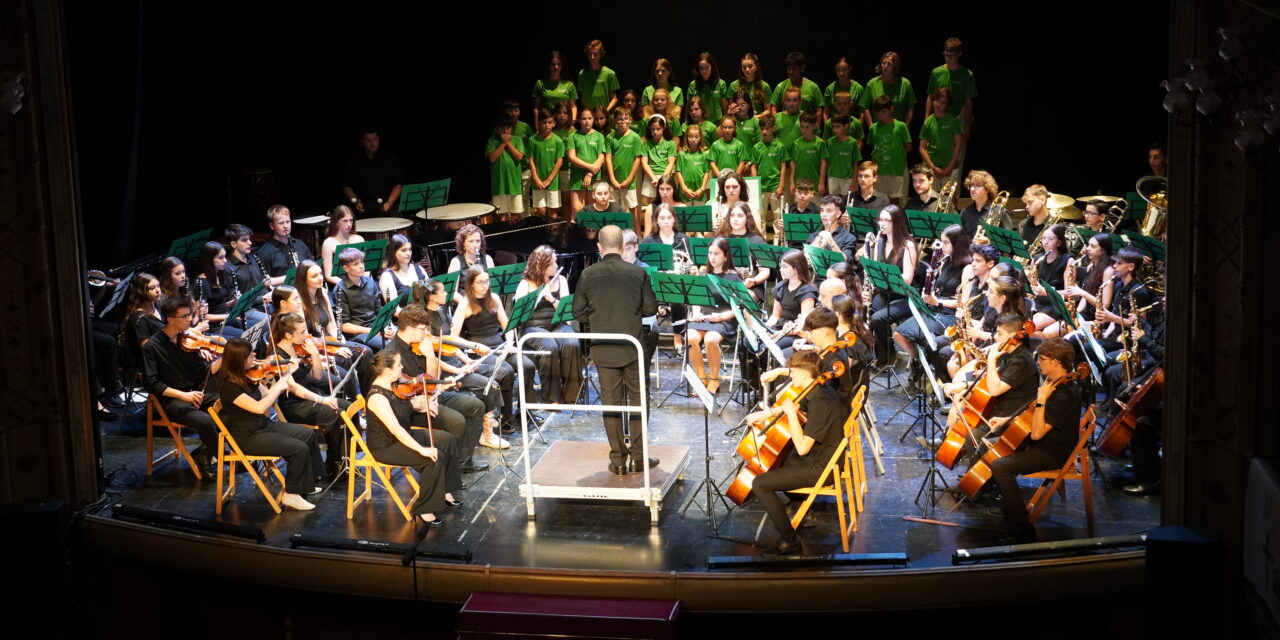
[[173, 110]]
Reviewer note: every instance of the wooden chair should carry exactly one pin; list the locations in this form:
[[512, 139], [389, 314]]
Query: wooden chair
[[227, 461], [363, 464], [843, 478], [157, 418], [1076, 468]]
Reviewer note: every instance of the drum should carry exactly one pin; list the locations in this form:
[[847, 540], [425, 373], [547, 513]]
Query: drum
[[453, 216], [381, 228], [311, 231]]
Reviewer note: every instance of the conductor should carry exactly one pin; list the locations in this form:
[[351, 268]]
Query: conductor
[[613, 295]]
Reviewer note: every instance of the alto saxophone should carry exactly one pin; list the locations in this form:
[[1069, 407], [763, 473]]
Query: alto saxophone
[[1129, 355], [1096, 327]]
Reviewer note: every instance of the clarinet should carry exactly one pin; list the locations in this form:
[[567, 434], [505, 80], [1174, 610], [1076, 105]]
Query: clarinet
[[293, 255]]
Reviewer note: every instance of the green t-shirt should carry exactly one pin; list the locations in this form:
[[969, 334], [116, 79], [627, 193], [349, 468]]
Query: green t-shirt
[[594, 87], [768, 159], [637, 127], [623, 151], [855, 130], [788, 127], [889, 153], [841, 157], [523, 131], [941, 133], [808, 156], [900, 93], [959, 81], [545, 154], [564, 91], [692, 165], [810, 95], [657, 154], [758, 102], [711, 98], [748, 132], [855, 92], [588, 148], [727, 155], [504, 175], [709, 131], [677, 96]]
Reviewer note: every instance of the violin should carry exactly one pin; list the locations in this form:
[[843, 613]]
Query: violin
[[446, 346], [407, 387], [269, 367], [972, 411], [1012, 439], [328, 346], [192, 340]]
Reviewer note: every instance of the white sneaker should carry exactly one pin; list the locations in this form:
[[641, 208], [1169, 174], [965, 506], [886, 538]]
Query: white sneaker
[[295, 501], [491, 440]]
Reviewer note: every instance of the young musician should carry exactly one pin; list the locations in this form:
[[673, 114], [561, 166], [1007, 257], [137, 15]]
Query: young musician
[[793, 297], [281, 251], [561, 371], [179, 378], [833, 236], [342, 225], [712, 325], [468, 364], [1010, 378], [894, 244], [481, 318], [247, 270], [358, 300], [314, 401]]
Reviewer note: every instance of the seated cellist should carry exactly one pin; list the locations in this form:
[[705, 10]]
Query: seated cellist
[[1010, 379]]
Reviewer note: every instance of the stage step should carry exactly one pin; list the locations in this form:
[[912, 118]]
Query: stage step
[[489, 614]]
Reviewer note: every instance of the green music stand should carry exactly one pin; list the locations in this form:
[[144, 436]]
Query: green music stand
[[680, 288], [1060, 305], [449, 280], [927, 224], [1026, 284], [246, 300], [424, 195], [564, 310], [796, 227], [374, 253], [889, 278], [768, 255], [734, 291], [1151, 247], [290, 275], [522, 309], [694, 219], [386, 313], [504, 280], [188, 247], [659, 255], [1006, 241], [1117, 240], [1137, 208], [822, 259], [740, 249], [863, 221], [599, 219]]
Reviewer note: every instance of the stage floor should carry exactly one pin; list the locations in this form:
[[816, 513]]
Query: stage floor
[[579, 534]]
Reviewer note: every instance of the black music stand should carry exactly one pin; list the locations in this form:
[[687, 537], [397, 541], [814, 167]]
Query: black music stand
[[117, 296], [678, 288], [711, 489], [796, 227], [600, 219], [188, 247], [659, 255], [374, 253], [694, 219]]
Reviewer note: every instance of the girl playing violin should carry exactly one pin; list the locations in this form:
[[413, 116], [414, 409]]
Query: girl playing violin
[[293, 342]]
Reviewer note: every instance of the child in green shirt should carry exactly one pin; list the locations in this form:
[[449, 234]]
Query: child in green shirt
[[696, 115], [546, 156], [663, 78], [728, 152], [630, 101], [708, 85], [809, 153], [622, 159], [810, 95], [564, 129], [891, 84], [942, 139], [757, 90], [748, 128], [770, 159], [842, 154], [597, 84], [691, 167], [843, 103], [660, 156], [586, 158], [505, 152], [891, 142], [555, 89], [788, 120], [844, 83]]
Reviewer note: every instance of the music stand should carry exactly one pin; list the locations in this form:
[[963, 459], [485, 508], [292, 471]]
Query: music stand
[[931, 428], [694, 219], [424, 195], [822, 259], [734, 291], [522, 309], [698, 250], [599, 219], [928, 224], [450, 282], [246, 300], [739, 298], [1150, 247], [503, 280], [374, 252], [768, 255], [385, 313], [659, 255], [679, 288], [117, 296], [863, 221], [796, 227], [712, 490], [188, 247], [1006, 241]]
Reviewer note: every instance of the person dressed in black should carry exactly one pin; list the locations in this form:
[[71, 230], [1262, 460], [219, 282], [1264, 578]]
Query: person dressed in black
[[481, 318], [712, 325], [466, 363], [895, 245], [281, 252], [244, 412], [1127, 290], [178, 378], [1055, 421], [667, 231], [794, 296], [319, 406], [217, 287], [739, 223], [923, 197], [431, 452], [247, 271], [1010, 377], [612, 298], [832, 236], [820, 328], [983, 189], [372, 181], [814, 439], [941, 296], [1050, 270], [357, 300], [561, 371]]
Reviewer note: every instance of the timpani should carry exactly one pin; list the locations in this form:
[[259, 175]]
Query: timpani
[[381, 228], [453, 216], [310, 230]]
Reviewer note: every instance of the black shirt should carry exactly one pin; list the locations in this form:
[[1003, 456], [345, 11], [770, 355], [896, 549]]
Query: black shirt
[[843, 385], [1062, 412], [248, 274], [165, 365], [219, 297], [612, 297], [847, 242], [914, 203], [240, 422], [278, 258], [876, 202], [377, 435], [372, 178], [1029, 230], [825, 424], [357, 302], [1018, 370], [790, 300], [412, 363], [946, 282]]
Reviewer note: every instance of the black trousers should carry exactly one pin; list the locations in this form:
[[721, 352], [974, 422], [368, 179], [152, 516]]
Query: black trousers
[[329, 421], [462, 416], [435, 478], [887, 313], [1146, 446], [1005, 472], [621, 386], [298, 445], [795, 473], [561, 371], [199, 419]]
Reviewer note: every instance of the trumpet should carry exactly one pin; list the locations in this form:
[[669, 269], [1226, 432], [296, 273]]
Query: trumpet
[[683, 263]]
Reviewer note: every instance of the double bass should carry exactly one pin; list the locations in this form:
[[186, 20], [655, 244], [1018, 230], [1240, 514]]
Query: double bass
[[972, 411], [1013, 438], [765, 445]]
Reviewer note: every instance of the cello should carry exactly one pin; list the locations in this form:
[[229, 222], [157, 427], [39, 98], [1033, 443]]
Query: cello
[[764, 446], [973, 409], [1012, 438], [1144, 399]]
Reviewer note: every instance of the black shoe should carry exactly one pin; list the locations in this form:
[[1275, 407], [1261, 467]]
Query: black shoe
[[618, 469], [332, 471], [472, 466], [784, 548], [1129, 467], [453, 503], [635, 466], [434, 523], [1142, 489], [204, 462]]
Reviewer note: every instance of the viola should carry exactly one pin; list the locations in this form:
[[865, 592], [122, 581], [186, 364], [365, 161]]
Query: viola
[[192, 340], [1012, 439], [1144, 399], [972, 411], [442, 345], [407, 387], [272, 366]]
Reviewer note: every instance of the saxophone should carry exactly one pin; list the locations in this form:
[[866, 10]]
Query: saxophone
[[1096, 327], [1129, 356], [959, 332]]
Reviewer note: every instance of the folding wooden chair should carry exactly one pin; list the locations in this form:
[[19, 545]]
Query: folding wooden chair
[[1076, 468], [838, 478], [363, 464], [157, 418], [227, 461]]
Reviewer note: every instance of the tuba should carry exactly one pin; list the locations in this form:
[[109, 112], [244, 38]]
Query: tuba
[[1154, 189]]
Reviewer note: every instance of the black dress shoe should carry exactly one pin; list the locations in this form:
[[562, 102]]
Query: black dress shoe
[[472, 466], [618, 469], [453, 503], [635, 466], [784, 548], [434, 523], [1142, 489]]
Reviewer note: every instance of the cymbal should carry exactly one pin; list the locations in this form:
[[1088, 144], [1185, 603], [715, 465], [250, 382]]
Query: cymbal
[[1058, 201], [1100, 198], [1070, 213]]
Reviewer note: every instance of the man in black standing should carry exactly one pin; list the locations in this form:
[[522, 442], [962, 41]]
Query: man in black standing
[[372, 182], [612, 297]]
